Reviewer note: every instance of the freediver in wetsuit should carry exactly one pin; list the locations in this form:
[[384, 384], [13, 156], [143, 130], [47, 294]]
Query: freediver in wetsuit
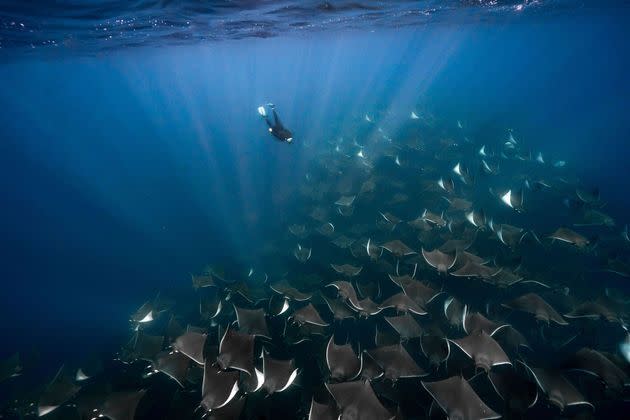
[[276, 128]]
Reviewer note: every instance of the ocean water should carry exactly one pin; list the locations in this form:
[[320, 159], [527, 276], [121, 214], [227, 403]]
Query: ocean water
[[130, 161]]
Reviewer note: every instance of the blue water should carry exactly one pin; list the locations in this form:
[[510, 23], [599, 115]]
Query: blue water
[[126, 167]]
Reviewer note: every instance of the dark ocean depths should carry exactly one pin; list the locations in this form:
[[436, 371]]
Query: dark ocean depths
[[128, 162]]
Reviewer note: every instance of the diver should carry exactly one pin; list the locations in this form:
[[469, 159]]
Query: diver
[[276, 128]]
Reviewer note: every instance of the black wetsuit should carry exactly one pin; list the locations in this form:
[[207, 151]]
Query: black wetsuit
[[278, 130]]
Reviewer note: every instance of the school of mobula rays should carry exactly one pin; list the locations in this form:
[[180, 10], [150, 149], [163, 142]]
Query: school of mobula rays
[[399, 290]]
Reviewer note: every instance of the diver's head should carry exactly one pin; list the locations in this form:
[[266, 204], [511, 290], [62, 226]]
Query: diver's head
[[286, 135]]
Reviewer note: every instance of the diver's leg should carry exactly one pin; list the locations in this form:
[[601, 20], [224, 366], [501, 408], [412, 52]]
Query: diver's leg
[[275, 118]]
